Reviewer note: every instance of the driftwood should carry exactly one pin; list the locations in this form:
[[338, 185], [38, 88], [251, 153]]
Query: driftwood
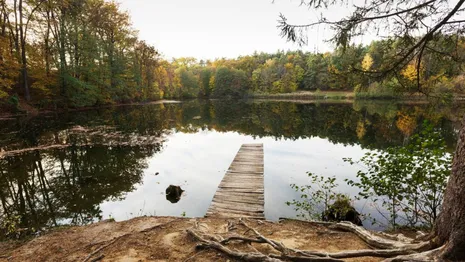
[[30, 149], [393, 248], [63, 146]]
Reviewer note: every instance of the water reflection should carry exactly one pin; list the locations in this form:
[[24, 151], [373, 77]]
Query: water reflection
[[119, 162]]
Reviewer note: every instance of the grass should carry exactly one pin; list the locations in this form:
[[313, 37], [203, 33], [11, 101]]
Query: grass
[[317, 95], [372, 95], [345, 95]]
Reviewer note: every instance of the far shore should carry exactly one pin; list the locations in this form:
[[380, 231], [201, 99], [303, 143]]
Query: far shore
[[349, 95], [295, 97]]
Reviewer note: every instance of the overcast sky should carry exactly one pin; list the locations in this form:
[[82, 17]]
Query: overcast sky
[[208, 29]]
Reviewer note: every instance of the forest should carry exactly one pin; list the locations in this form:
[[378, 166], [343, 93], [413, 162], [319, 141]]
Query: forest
[[83, 53], [63, 165]]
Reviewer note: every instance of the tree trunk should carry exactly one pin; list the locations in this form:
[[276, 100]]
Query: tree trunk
[[23, 53], [3, 21], [76, 51], [47, 43], [62, 53], [111, 58], [450, 227]]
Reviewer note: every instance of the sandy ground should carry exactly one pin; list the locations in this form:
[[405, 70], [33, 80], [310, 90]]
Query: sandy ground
[[166, 239]]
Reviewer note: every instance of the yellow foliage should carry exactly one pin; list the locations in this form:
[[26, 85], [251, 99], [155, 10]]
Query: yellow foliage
[[212, 82], [406, 124], [270, 62], [332, 69], [9, 68], [367, 62], [361, 129], [410, 71]]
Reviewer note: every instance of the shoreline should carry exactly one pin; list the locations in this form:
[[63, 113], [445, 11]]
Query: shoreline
[[171, 239], [348, 95], [35, 112], [298, 97]]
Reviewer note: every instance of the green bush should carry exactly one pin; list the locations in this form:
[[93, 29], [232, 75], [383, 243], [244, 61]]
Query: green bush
[[409, 181], [317, 198]]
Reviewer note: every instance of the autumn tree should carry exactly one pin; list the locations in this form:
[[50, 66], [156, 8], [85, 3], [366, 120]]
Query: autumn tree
[[73, 53], [229, 83], [405, 20]]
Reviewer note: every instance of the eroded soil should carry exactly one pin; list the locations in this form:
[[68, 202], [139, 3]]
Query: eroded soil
[[166, 239]]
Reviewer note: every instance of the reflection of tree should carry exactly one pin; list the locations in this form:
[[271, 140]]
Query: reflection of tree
[[104, 151], [339, 123], [406, 124], [369, 126], [67, 186]]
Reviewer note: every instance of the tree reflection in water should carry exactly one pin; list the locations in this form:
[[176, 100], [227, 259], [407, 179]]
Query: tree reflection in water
[[103, 154]]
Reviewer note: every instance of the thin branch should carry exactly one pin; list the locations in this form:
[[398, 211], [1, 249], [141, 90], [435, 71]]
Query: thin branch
[[358, 20], [455, 22], [30, 17]]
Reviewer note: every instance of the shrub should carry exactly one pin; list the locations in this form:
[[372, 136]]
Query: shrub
[[408, 181], [319, 201]]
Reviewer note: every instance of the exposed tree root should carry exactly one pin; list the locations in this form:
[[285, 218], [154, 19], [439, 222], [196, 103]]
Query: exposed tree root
[[401, 249], [430, 255], [98, 258], [204, 243], [380, 242], [103, 247]]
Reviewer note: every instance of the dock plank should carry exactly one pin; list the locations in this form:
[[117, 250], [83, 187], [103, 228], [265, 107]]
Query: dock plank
[[241, 192]]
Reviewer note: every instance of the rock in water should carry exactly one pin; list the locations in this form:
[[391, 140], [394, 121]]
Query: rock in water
[[173, 194]]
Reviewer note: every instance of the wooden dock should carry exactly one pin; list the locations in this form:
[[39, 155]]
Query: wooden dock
[[241, 193]]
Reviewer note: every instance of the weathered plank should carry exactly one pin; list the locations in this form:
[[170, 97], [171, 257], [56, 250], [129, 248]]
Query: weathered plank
[[241, 192]]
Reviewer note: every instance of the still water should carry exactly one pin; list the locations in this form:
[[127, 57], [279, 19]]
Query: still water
[[117, 162]]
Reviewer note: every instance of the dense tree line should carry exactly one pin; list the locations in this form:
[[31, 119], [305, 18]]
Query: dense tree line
[[345, 69], [72, 53], [79, 53]]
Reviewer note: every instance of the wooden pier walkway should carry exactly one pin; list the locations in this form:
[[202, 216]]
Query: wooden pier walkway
[[241, 193]]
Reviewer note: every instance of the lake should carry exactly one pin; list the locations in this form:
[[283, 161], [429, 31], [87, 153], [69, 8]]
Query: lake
[[117, 162]]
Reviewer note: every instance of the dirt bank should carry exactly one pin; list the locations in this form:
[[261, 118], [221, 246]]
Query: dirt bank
[[167, 239]]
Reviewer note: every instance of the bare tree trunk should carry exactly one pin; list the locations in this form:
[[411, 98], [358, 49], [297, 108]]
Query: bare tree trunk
[[76, 51], [450, 227], [62, 52], [23, 53], [3, 21], [47, 42]]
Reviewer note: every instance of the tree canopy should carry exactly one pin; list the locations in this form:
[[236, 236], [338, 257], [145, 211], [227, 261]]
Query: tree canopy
[[420, 28]]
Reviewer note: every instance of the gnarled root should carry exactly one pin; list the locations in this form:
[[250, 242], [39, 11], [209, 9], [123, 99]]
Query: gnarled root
[[430, 255], [204, 243], [380, 242], [401, 249]]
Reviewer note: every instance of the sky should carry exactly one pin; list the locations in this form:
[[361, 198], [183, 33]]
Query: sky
[[209, 29]]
